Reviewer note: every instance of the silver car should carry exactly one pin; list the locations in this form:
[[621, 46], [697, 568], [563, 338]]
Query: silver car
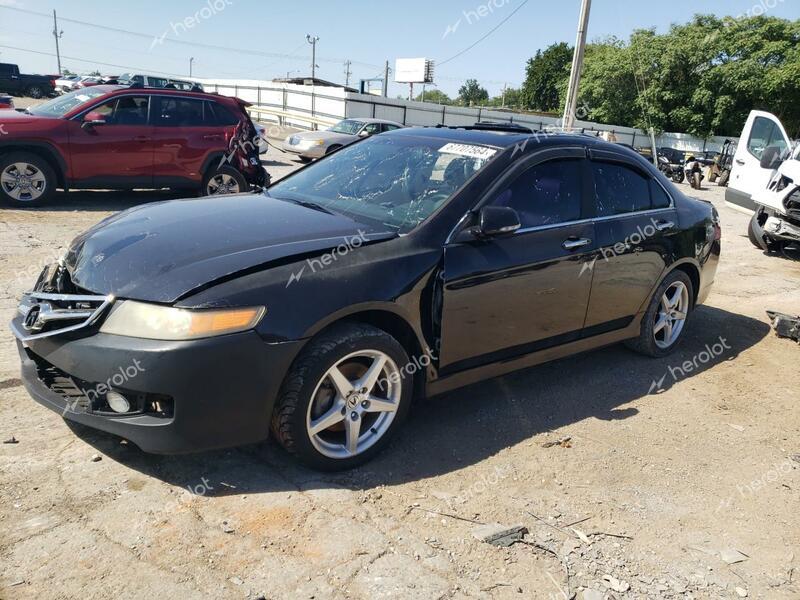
[[316, 144]]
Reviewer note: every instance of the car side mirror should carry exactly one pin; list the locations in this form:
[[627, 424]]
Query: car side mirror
[[771, 159], [364, 133], [93, 119], [497, 220]]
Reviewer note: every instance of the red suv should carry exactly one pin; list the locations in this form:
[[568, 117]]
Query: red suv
[[113, 137]]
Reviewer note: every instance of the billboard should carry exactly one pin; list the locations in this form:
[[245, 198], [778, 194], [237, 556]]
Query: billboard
[[413, 70]]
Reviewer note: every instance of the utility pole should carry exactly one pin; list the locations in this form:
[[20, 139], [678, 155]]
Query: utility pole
[[503, 104], [313, 41], [577, 67], [57, 34], [191, 60], [347, 72], [386, 80]]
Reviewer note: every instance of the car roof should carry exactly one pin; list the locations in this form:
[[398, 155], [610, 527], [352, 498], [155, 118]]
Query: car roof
[[507, 139], [371, 120], [161, 91]]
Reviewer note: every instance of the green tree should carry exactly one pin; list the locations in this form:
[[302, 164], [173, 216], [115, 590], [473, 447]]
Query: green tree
[[545, 76], [512, 98], [435, 96], [472, 93]]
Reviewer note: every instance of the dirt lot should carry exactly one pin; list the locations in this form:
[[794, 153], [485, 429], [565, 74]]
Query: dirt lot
[[679, 481]]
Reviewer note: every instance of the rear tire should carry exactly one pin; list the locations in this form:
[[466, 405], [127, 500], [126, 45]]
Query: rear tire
[[679, 177], [26, 180], [223, 181], [326, 424], [697, 181], [663, 317], [724, 178], [35, 92]]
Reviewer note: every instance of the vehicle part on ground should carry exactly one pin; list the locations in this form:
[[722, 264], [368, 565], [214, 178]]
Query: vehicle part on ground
[[786, 326], [663, 325], [343, 397], [26, 179]]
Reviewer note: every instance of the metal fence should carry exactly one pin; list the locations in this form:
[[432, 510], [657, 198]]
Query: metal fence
[[306, 107]]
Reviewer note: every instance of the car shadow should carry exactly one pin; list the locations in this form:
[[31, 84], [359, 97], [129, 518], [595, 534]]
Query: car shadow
[[106, 200], [463, 428]]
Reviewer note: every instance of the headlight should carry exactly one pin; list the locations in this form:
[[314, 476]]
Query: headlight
[[151, 321]]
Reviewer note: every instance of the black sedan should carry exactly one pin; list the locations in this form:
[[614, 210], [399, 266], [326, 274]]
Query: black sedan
[[408, 264]]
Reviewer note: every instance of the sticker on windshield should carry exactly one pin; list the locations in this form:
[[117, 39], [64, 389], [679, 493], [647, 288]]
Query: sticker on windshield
[[468, 150]]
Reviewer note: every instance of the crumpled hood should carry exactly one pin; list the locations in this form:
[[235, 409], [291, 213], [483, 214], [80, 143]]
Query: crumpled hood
[[161, 252]]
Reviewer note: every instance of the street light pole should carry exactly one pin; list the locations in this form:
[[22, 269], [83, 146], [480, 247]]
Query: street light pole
[[191, 60], [577, 67], [57, 34], [313, 41]]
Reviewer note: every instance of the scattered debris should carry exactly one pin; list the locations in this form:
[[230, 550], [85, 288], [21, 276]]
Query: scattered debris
[[738, 428], [795, 458], [226, 527], [495, 586], [583, 537], [96, 458], [16, 583], [442, 514], [236, 581], [786, 326], [12, 440], [731, 556], [741, 592], [563, 442], [616, 585], [590, 594], [500, 535]]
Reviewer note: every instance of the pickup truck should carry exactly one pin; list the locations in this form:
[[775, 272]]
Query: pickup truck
[[35, 86]]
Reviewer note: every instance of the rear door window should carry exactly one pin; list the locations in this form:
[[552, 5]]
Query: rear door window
[[619, 189], [220, 115], [179, 112]]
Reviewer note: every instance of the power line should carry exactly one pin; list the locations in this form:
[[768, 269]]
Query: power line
[[92, 61], [491, 31], [163, 39]]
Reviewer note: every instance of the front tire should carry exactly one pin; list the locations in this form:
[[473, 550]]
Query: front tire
[[344, 398], [679, 177], [26, 180], [697, 181], [664, 323]]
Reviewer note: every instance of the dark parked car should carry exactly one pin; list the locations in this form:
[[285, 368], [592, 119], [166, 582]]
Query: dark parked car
[[113, 137], [409, 263], [19, 84]]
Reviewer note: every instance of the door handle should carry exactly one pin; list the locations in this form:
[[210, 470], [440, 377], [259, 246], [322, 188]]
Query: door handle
[[574, 243], [141, 138], [214, 136], [739, 161], [665, 225]]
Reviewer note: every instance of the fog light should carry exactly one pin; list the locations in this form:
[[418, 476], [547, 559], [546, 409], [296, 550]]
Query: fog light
[[118, 402]]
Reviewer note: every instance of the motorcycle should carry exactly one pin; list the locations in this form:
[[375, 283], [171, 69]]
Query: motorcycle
[[671, 170], [694, 172]]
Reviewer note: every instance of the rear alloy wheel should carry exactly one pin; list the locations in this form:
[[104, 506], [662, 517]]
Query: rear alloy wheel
[[35, 92], [225, 180], [664, 323], [343, 398], [26, 179]]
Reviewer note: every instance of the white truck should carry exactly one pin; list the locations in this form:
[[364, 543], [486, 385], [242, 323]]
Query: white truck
[[765, 181]]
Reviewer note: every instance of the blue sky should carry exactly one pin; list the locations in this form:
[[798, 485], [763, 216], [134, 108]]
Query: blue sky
[[365, 32]]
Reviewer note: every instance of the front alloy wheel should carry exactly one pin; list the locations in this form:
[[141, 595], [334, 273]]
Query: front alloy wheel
[[23, 182], [344, 397], [354, 404]]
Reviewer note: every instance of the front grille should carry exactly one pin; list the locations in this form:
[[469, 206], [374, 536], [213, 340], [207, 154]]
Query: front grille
[[45, 314], [75, 399], [88, 397]]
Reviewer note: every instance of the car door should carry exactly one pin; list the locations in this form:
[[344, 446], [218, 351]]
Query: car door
[[512, 295], [187, 132], [747, 177], [636, 224], [117, 149]]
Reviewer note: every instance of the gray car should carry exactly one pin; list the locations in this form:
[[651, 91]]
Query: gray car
[[316, 144]]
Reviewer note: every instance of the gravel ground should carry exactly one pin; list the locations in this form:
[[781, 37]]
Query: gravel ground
[[680, 478]]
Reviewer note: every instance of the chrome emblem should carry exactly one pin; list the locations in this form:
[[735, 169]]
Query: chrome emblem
[[33, 320]]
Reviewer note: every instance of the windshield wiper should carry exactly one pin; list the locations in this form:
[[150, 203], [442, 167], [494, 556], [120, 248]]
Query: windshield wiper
[[307, 204]]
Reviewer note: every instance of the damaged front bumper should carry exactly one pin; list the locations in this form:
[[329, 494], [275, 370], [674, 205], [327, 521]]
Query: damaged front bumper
[[786, 326]]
